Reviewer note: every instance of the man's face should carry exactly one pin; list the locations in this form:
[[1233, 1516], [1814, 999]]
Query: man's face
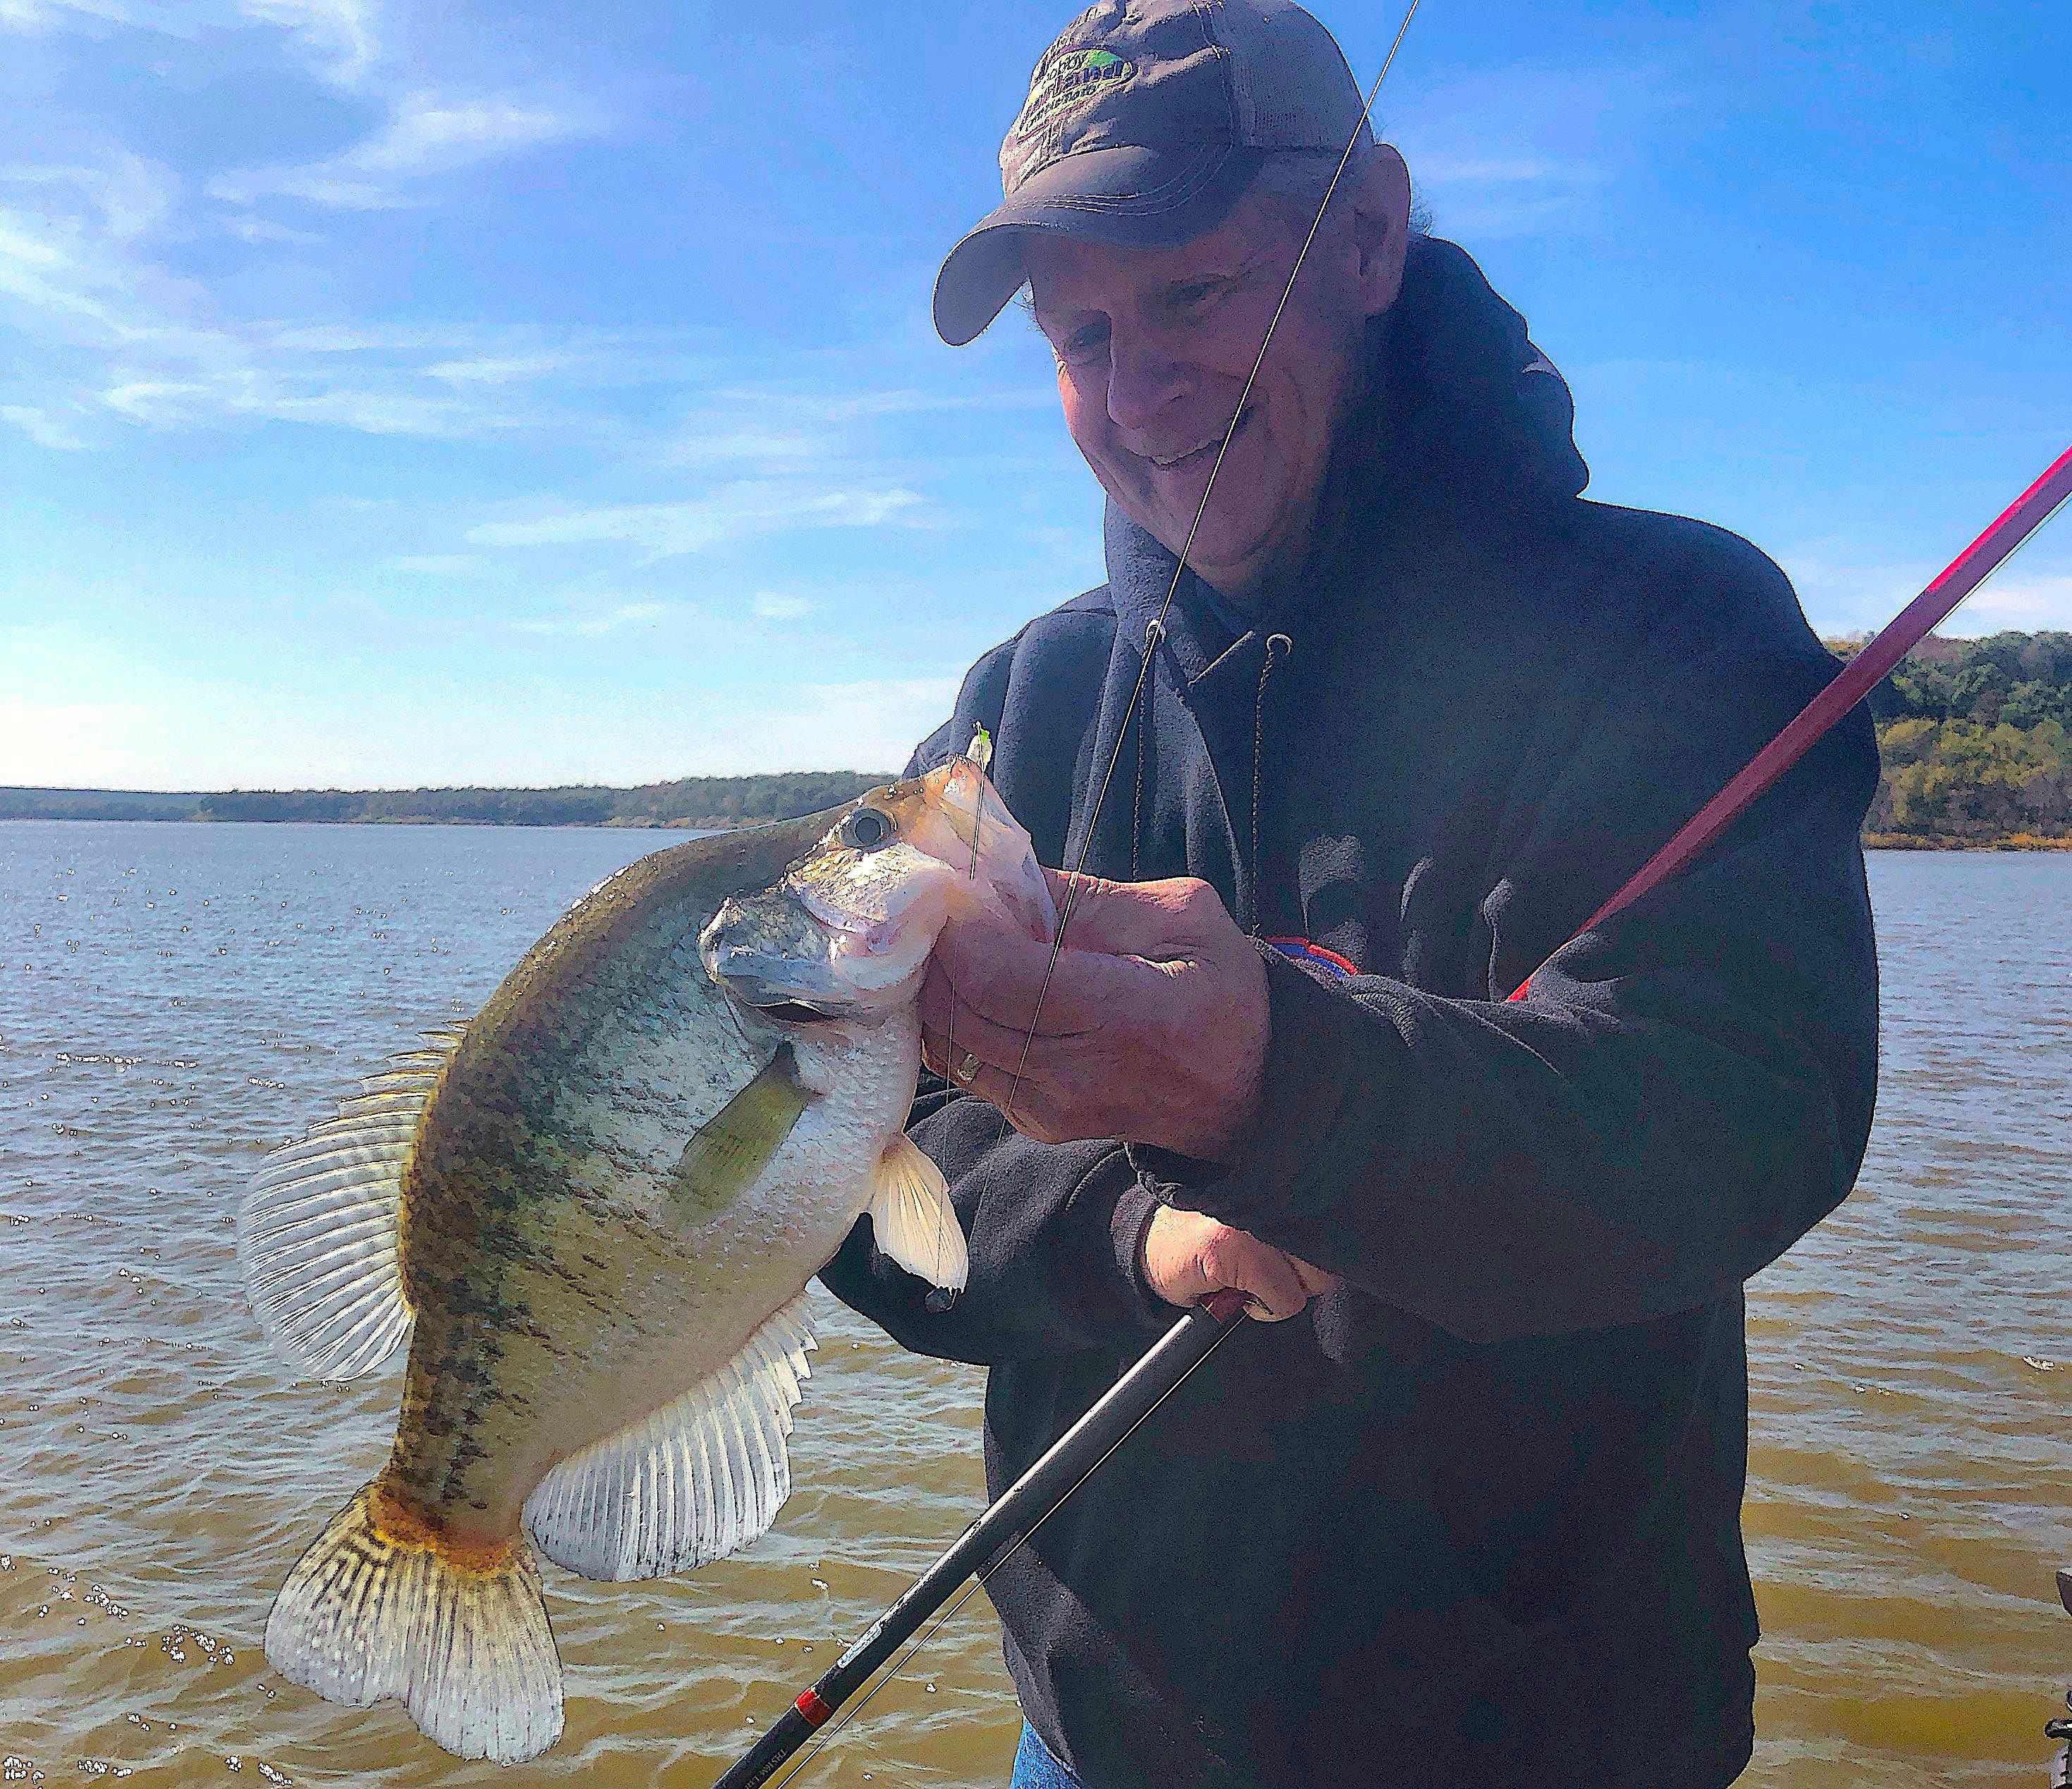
[[1154, 346]]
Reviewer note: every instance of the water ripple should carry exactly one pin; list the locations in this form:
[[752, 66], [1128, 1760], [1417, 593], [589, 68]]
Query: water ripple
[[175, 1000]]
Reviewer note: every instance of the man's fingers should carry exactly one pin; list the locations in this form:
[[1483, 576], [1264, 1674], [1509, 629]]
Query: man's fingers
[[1023, 1102], [1267, 1278], [1315, 1280], [949, 1015], [1155, 920], [998, 973], [1188, 1256]]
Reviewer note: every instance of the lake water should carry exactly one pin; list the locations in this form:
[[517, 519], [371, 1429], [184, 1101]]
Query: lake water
[[175, 1000]]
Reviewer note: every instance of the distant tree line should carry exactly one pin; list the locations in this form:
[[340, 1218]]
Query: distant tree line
[[95, 804], [688, 801], [1975, 734], [1977, 739]]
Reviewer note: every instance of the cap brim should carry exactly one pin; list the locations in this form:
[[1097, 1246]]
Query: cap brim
[[1130, 195]]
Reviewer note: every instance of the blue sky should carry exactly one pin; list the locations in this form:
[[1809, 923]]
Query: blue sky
[[400, 392]]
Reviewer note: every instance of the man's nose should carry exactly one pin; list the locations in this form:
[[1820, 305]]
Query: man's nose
[[1143, 378]]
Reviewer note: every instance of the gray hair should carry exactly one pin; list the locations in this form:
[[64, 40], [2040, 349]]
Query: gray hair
[[1292, 184]]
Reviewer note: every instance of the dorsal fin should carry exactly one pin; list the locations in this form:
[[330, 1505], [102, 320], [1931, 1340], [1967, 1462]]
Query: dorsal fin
[[318, 1233]]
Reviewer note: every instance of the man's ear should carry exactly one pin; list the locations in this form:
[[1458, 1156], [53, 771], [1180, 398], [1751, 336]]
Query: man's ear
[[1381, 226]]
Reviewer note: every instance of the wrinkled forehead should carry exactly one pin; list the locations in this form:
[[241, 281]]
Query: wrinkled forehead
[[1069, 274]]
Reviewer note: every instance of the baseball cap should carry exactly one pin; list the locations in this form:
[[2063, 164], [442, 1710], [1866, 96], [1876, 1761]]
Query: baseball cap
[[1145, 120]]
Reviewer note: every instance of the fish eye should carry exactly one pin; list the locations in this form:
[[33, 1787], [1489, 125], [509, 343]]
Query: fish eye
[[866, 829]]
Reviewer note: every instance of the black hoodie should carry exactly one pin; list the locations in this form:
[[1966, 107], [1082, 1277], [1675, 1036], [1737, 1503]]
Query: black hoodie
[[1475, 1519]]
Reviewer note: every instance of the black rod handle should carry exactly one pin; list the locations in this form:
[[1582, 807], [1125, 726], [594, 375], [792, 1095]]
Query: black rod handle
[[1007, 1521]]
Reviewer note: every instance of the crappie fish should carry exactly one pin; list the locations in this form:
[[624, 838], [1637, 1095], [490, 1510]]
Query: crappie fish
[[593, 1211]]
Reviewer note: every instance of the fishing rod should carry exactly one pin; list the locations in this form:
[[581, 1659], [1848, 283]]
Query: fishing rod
[[1077, 1454], [1905, 631], [996, 1536]]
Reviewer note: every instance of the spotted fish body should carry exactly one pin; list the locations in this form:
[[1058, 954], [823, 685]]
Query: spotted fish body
[[593, 1211]]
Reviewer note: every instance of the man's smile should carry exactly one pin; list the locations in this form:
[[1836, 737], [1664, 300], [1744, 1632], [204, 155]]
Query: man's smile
[[1187, 457]]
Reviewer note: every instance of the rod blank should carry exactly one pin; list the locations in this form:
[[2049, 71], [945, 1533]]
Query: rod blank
[[1002, 1527]]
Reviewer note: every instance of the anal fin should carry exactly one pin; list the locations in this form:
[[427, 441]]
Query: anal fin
[[703, 1476]]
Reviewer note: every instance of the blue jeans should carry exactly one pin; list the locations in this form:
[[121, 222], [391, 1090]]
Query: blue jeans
[[1034, 1768]]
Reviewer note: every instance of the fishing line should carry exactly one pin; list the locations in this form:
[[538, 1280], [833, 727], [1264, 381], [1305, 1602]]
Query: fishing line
[[825, 1736], [1074, 882], [1156, 629]]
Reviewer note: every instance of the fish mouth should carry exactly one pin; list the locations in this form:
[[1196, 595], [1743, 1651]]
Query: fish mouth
[[790, 1012], [747, 977]]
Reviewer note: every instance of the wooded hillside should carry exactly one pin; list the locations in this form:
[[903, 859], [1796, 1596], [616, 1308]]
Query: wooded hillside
[[689, 801], [1976, 738]]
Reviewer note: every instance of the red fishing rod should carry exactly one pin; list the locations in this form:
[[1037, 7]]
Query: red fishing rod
[[1023, 1507], [1906, 630]]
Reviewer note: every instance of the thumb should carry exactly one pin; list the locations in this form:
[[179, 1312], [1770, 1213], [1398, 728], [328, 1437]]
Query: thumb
[[1125, 919]]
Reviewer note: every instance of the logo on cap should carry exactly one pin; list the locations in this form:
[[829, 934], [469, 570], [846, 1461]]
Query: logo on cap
[[1070, 78]]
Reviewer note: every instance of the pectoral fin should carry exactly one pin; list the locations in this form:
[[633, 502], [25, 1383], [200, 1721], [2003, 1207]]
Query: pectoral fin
[[735, 1146], [913, 1217]]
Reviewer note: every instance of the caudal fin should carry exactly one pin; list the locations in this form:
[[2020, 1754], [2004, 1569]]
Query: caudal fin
[[378, 1610]]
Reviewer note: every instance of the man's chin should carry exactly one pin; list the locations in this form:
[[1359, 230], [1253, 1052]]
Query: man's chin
[[1231, 568], [1229, 559]]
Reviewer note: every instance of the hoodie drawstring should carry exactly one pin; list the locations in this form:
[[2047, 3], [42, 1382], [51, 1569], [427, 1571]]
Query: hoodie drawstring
[[1284, 646]]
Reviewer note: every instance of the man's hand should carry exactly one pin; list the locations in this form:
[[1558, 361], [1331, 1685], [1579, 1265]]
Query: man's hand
[[1153, 1030], [1188, 1254]]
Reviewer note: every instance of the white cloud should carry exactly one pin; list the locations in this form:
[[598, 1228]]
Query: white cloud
[[1528, 148], [133, 195], [1842, 592], [250, 393], [872, 724], [1845, 594], [424, 136], [2030, 605], [734, 511], [776, 606], [111, 330], [256, 230], [776, 428], [1487, 196], [442, 564], [105, 333], [77, 745], [497, 370], [291, 737], [626, 615], [176, 19], [338, 34], [43, 429]]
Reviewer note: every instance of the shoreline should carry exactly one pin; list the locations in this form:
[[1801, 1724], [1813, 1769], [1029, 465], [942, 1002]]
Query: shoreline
[[1872, 842], [2014, 841]]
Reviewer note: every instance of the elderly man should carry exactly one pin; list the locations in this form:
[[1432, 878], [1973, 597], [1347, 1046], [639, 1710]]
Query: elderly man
[[1416, 710]]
